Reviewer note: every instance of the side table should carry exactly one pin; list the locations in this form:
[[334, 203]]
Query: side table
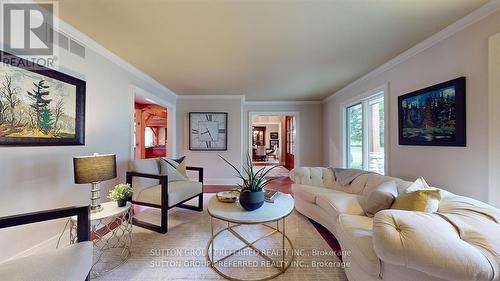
[[111, 233]]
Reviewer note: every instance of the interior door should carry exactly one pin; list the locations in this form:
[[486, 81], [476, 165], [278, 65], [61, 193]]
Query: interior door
[[290, 142], [259, 139]]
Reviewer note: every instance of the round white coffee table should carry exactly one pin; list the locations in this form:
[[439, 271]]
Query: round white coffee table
[[235, 216]]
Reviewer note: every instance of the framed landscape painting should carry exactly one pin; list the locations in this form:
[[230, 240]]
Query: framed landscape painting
[[39, 106], [434, 116]]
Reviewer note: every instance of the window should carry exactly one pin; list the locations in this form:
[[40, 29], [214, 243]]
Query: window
[[149, 137], [365, 146]]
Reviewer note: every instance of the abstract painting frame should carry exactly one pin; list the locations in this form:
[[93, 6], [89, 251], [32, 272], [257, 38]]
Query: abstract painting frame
[[39, 106], [434, 116]]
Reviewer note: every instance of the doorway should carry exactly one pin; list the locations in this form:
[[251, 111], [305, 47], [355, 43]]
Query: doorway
[[273, 140], [150, 130], [152, 124]]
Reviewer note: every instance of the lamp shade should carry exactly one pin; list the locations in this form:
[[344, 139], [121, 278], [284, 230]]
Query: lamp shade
[[95, 168]]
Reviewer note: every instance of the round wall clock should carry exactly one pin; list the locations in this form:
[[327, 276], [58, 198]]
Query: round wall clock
[[208, 131]]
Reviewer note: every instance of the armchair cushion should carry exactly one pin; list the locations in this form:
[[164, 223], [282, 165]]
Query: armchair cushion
[[178, 191], [70, 263], [147, 166]]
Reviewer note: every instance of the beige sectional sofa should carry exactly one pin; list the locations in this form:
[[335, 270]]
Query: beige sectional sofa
[[461, 242]]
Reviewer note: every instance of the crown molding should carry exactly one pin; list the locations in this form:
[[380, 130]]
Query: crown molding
[[470, 19], [90, 43], [211, 97], [282, 102]]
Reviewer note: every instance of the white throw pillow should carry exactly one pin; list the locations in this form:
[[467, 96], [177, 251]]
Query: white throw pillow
[[169, 167]]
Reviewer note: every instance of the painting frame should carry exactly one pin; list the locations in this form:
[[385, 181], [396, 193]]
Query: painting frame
[[80, 98], [459, 138]]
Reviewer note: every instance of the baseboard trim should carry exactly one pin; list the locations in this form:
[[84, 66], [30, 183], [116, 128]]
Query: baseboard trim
[[222, 181]]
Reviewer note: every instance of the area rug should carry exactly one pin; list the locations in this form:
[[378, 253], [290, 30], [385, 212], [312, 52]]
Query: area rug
[[277, 172], [180, 254]]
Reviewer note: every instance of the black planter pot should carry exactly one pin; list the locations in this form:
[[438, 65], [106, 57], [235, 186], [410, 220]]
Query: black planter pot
[[251, 200], [122, 202]]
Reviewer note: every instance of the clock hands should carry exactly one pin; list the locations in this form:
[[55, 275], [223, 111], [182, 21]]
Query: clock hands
[[207, 131]]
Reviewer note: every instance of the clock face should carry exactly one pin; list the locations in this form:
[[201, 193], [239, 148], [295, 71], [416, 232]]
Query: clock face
[[208, 131]]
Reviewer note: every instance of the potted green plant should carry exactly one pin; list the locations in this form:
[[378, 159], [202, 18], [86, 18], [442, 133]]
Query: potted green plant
[[252, 190], [121, 193]]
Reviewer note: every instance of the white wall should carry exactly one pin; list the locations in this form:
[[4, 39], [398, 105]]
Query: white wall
[[39, 178], [494, 119], [216, 171], [462, 170]]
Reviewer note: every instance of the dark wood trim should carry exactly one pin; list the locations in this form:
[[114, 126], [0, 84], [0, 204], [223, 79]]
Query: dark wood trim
[[200, 172], [163, 227], [82, 213], [145, 175], [461, 112]]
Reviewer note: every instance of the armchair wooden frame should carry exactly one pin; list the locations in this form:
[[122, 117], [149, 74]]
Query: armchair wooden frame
[[163, 228], [82, 213]]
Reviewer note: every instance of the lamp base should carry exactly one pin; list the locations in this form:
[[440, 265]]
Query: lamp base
[[95, 198], [95, 209]]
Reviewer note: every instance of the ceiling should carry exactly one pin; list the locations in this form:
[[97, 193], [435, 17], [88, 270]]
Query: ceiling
[[265, 50]]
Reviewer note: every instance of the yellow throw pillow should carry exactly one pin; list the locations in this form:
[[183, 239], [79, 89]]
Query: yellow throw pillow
[[179, 164], [418, 197], [182, 166]]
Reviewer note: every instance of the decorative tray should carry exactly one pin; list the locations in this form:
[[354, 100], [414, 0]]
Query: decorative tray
[[229, 196]]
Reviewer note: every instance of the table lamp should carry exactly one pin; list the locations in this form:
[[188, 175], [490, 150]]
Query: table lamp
[[94, 169]]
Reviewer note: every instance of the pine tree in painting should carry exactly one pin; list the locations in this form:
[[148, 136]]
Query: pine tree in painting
[[46, 121], [427, 114], [40, 103]]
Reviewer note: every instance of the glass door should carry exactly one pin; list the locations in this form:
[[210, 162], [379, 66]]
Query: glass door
[[365, 134]]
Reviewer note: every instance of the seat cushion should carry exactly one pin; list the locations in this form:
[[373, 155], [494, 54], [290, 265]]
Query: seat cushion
[[69, 263], [356, 236], [336, 203], [178, 191]]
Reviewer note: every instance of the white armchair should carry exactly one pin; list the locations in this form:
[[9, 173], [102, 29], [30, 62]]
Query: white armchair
[[152, 189]]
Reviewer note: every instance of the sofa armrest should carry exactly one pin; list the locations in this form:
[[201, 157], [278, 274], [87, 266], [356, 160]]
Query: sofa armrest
[[429, 243], [200, 172], [82, 213]]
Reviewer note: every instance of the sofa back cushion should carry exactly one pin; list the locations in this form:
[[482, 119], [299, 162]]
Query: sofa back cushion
[[315, 176], [324, 177], [148, 166]]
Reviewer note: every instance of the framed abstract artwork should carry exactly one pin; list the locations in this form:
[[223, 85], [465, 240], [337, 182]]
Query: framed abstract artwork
[[434, 116], [39, 106], [208, 131]]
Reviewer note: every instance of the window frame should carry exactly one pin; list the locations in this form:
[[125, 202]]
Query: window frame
[[364, 99]]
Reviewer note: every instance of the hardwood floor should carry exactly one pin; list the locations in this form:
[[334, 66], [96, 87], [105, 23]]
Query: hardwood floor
[[284, 184]]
